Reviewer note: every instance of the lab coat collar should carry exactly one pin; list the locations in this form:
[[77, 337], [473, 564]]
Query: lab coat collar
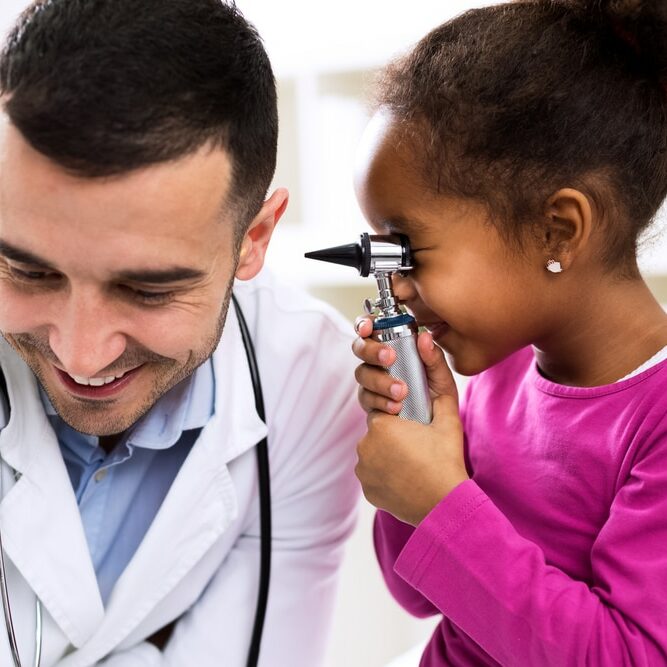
[[235, 414], [42, 531]]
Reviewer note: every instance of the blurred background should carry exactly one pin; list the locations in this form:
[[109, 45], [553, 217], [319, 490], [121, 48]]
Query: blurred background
[[325, 56]]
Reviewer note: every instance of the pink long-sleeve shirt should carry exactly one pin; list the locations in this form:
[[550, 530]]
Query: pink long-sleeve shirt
[[555, 552]]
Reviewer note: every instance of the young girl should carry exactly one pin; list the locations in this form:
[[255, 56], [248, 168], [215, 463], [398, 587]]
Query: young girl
[[521, 148]]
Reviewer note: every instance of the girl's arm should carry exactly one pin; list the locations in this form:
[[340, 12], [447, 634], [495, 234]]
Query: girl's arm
[[467, 559], [389, 538]]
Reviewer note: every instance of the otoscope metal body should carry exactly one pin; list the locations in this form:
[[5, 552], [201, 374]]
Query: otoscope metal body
[[384, 255]]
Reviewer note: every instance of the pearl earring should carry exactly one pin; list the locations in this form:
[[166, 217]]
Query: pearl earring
[[554, 266]]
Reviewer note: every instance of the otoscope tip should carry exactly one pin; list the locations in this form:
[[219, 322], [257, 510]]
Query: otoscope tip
[[348, 255]]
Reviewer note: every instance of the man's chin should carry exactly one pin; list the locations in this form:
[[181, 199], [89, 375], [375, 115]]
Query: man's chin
[[99, 425]]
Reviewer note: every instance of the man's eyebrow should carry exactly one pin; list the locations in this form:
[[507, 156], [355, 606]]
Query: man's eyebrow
[[171, 274], [24, 256]]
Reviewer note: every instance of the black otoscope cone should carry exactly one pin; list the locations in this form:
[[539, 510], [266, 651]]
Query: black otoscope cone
[[356, 255], [348, 255]]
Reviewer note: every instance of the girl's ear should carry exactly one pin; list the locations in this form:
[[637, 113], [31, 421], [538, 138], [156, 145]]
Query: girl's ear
[[567, 228], [256, 239]]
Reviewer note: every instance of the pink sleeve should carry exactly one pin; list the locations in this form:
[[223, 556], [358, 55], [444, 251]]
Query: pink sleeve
[[390, 536], [469, 561]]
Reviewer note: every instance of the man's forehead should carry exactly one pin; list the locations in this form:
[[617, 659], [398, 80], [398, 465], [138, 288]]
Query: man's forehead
[[166, 218], [209, 158], [195, 185]]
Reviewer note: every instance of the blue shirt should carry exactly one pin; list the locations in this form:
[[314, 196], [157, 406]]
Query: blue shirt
[[120, 493]]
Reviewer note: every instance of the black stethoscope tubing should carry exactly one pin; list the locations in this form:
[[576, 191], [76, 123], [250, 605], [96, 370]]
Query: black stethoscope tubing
[[262, 450]]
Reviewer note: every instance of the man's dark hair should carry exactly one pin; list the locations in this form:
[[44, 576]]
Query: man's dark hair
[[508, 104], [104, 87]]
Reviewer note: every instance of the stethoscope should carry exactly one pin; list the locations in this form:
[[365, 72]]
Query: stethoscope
[[264, 519]]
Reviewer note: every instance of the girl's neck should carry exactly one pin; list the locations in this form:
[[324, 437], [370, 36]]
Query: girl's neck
[[606, 336]]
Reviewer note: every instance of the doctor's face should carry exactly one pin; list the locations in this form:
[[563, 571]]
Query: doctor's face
[[114, 289]]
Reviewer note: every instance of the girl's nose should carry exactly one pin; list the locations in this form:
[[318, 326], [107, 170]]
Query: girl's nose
[[404, 288]]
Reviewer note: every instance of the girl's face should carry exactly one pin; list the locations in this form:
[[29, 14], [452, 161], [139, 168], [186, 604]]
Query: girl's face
[[481, 298]]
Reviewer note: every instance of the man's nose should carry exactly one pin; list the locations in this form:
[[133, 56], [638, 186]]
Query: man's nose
[[85, 334]]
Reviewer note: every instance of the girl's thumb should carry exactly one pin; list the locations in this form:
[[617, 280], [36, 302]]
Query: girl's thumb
[[440, 378], [446, 416]]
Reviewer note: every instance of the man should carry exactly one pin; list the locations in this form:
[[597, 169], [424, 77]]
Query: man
[[137, 144]]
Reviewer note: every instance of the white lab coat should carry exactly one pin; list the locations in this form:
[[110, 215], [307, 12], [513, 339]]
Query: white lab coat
[[200, 557]]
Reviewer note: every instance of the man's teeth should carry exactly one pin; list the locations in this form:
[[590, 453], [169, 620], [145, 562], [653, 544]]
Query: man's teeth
[[95, 382]]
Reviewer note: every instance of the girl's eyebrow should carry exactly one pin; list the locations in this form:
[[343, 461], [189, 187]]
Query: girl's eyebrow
[[171, 274], [401, 225]]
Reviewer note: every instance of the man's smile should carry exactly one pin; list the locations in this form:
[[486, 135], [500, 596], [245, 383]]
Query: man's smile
[[97, 387]]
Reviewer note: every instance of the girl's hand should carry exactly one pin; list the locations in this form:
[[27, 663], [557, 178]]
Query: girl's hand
[[406, 467], [380, 391]]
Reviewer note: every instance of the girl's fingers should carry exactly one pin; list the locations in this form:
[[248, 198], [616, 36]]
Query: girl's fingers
[[372, 352], [378, 390], [378, 381], [369, 350], [370, 402], [363, 325]]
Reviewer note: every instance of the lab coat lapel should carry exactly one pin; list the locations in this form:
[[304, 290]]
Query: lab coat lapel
[[202, 501], [42, 530]]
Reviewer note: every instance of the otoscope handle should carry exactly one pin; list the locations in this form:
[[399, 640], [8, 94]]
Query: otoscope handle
[[400, 332]]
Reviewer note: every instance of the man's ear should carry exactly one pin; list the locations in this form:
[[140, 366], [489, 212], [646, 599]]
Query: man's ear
[[567, 228], [256, 239]]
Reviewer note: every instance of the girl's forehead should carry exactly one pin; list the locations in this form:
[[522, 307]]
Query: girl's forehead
[[388, 175], [384, 138]]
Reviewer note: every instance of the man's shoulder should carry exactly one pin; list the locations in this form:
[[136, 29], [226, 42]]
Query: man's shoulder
[[269, 302], [294, 334]]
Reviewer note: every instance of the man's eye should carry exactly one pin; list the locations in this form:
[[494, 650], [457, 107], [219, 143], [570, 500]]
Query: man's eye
[[150, 298], [28, 275]]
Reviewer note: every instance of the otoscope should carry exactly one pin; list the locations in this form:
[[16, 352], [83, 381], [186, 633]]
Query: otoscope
[[383, 256]]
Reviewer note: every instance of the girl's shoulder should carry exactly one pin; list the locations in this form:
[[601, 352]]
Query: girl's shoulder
[[515, 387], [517, 381], [520, 371], [625, 421]]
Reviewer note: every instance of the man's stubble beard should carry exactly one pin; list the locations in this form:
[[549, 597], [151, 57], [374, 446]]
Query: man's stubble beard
[[90, 417]]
